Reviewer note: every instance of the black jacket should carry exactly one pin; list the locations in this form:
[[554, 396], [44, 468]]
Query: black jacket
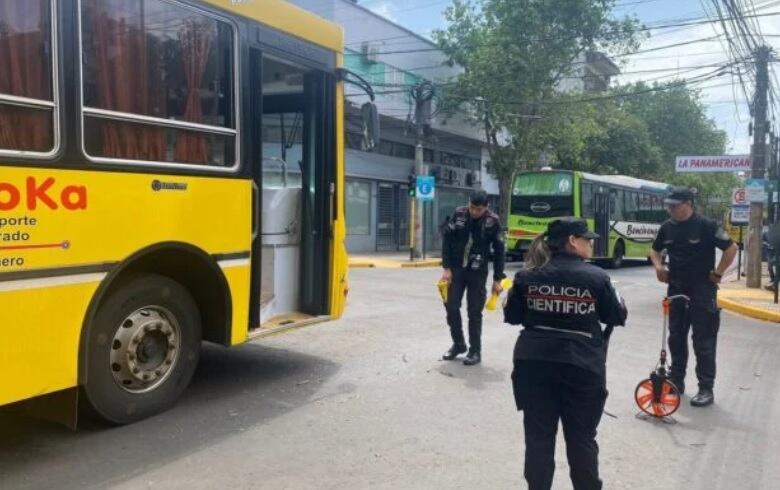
[[691, 247], [562, 307], [465, 240]]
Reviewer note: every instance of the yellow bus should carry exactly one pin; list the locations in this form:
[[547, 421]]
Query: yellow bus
[[171, 172]]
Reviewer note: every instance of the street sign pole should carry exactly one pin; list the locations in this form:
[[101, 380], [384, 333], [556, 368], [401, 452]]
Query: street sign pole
[[419, 169], [739, 255], [426, 192], [424, 229], [412, 214], [739, 217]]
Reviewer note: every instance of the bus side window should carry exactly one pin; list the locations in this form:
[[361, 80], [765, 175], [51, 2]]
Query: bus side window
[[616, 204], [658, 210], [645, 208], [586, 204], [159, 84], [631, 209], [28, 103]]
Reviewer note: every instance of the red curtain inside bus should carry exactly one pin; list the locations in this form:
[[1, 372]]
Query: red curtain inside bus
[[195, 41], [153, 58], [122, 73], [25, 71]]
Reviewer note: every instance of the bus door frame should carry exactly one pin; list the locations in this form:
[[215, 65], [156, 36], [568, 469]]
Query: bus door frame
[[601, 221]]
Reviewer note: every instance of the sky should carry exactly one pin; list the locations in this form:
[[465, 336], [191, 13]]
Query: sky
[[726, 102]]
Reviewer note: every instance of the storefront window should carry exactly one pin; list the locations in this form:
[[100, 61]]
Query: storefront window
[[358, 208]]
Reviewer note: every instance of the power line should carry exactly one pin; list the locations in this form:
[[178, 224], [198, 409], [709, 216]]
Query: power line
[[648, 50], [734, 51], [685, 69], [403, 39], [683, 84], [731, 54], [727, 52], [691, 22], [425, 33], [739, 20]]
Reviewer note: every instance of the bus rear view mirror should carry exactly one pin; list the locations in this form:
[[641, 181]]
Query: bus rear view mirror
[[371, 131]]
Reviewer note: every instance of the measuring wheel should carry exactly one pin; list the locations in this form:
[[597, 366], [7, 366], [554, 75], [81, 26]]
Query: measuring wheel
[[657, 396]]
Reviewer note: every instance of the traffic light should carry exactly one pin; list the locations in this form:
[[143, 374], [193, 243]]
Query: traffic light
[[412, 185]]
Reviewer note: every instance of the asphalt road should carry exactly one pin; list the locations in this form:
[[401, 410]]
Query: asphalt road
[[364, 402]]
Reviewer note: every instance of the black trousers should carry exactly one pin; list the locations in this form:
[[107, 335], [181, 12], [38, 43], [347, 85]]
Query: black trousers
[[471, 282], [702, 316], [549, 392]]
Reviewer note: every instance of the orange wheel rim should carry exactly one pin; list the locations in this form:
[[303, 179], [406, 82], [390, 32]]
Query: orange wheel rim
[[667, 403]]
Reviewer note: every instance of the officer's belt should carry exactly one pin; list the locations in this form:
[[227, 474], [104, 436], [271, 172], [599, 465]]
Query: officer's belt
[[552, 329]]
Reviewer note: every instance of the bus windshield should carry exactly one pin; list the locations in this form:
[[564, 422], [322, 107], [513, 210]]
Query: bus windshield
[[543, 194]]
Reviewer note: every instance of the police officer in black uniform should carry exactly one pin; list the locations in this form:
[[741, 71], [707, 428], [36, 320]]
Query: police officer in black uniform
[[560, 356], [469, 237], [690, 240]]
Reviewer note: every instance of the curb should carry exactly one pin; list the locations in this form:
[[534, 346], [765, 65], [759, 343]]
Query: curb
[[387, 264], [749, 311], [421, 264], [362, 265]]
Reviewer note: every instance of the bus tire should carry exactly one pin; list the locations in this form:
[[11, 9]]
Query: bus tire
[[616, 262], [144, 346]]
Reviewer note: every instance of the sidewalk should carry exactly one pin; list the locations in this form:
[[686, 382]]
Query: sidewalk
[[390, 261], [735, 296]]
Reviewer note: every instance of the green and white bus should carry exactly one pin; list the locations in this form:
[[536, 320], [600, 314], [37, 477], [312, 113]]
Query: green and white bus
[[625, 211]]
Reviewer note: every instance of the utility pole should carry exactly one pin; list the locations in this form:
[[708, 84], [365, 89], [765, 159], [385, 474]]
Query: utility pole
[[772, 176], [759, 167], [776, 205], [422, 95]]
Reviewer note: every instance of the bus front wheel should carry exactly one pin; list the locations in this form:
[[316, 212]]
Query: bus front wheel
[[143, 349]]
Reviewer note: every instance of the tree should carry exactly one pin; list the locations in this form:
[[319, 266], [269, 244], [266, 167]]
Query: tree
[[514, 53], [600, 137], [639, 130], [678, 125], [625, 147], [676, 118]]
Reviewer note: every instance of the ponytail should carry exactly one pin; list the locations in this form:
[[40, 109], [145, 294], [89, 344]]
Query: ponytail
[[538, 254]]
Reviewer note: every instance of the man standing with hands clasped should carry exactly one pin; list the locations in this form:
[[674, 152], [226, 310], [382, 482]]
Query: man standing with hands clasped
[[690, 241]]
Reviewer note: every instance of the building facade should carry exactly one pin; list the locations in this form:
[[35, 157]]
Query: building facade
[[393, 59]]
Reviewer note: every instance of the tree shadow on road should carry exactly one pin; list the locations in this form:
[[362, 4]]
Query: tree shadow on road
[[232, 391]]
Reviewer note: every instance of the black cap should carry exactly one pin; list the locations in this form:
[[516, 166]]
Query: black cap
[[479, 198], [565, 227], [680, 195]]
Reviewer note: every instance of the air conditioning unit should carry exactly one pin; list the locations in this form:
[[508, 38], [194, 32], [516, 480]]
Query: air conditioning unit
[[456, 178], [370, 52]]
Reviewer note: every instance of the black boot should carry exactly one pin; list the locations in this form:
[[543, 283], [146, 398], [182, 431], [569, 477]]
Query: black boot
[[703, 398], [472, 359], [454, 352]]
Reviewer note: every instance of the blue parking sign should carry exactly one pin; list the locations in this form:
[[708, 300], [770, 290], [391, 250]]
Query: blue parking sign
[[426, 188]]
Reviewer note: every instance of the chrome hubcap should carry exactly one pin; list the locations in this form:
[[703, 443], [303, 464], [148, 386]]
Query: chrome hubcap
[[145, 348]]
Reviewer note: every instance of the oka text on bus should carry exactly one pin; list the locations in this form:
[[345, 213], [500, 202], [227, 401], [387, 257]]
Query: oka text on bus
[[36, 193]]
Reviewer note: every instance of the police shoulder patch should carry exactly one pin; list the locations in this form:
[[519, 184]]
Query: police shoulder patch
[[460, 216]]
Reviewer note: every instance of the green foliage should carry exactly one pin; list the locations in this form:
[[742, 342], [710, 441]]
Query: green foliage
[[515, 52]]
